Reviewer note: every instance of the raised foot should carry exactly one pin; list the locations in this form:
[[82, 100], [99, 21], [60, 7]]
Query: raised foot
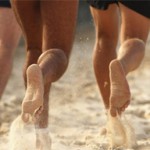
[[120, 92], [33, 100]]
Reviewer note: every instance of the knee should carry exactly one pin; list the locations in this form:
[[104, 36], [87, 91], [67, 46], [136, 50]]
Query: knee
[[105, 47], [57, 55], [106, 42], [57, 62]]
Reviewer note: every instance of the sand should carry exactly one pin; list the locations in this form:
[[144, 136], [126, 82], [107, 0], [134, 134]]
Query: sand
[[77, 113]]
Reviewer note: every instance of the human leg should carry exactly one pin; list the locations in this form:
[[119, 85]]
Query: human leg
[[107, 29], [56, 50], [134, 32], [9, 37], [56, 45], [31, 27], [32, 31]]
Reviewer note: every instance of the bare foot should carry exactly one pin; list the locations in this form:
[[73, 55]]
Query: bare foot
[[120, 92], [33, 100]]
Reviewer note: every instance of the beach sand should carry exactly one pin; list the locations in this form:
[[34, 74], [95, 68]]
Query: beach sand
[[77, 113]]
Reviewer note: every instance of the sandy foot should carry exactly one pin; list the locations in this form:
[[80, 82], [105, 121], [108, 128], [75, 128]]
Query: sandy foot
[[120, 92], [33, 99]]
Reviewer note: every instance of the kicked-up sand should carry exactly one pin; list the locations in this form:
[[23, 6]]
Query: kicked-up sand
[[77, 116]]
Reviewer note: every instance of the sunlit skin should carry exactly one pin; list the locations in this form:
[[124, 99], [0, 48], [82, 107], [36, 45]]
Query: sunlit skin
[[49, 35], [111, 69], [48, 28]]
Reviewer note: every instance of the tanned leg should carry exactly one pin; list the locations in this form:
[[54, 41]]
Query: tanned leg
[[107, 29], [56, 50], [56, 44], [32, 30], [134, 32], [52, 23]]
